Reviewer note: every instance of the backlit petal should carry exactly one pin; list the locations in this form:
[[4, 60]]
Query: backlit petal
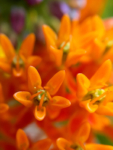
[[55, 82], [7, 46], [40, 113], [102, 75], [23, 98], [34, 79], [63, 144], [60, 102], [22, 140], [65, 29], [34, 60], [27, 46], [98, 147], [83, 84], [42, 145]]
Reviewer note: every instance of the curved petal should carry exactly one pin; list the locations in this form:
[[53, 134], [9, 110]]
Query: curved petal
[[89, 107], [27, 45], [34, 79], [23, 98], [83, 132], [22, 140], [65, 29], [102, 74], [105, 109], [83, 84], [42, 145], [3, 108], [5, 65], [60, 102], [34, 61], [40, 113], [55, 82], [98, 147], [7, 46], [74, 56], [50, 36], [63, 144]]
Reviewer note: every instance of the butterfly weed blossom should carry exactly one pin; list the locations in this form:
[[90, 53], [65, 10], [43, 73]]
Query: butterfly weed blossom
[[41, 96], [69, 92]]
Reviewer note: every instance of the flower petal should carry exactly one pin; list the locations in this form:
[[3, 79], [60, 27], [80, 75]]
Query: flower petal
[[42, 145], [63, 143], [34, 61], [98, 147], [105, 109], [83, 133], [23, 98], [22, 140], [102, 75], [83, 84], [55, 82], [40, 113], [50, 36], [65, 29], [27, 46], [34, 79], [7, 46], [74, 56], [60, 102], [3, 108], [5, 65]]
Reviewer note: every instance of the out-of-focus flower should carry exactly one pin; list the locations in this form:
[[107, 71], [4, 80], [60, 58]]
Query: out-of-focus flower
[[34, 2], [18, 15], [3, 108], [93, 94], [17, 63], [24, 144], [40, 96]]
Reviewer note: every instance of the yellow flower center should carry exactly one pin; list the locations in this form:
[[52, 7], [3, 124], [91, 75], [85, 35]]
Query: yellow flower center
[[95, 94], [17, 61], [38, 98]]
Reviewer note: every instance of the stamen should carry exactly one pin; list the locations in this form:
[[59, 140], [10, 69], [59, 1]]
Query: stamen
[[41, 101], [34, 95]]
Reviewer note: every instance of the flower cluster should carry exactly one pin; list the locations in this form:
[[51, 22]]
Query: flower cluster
[[64, 87]]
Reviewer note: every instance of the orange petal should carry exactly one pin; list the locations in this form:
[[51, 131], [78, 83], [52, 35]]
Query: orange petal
[[5, 65], [98, 147], [56, 55], [34, 79], [34, 61], [7, 46], [27, 46], [65, 29], [40, 113], [63, 144], [23, 98], [84, 132], [105, 109], [50, 36], [102, 75], [55, 82], [17, 73], [89, 107], [60, 102], [74, 56], [22, 140], [83, 84], [42, 145], [3, 108]]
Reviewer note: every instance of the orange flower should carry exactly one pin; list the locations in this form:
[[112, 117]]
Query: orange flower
[[23, 142], [17, 63], [40, 96], [94, 94], [60, 46], [3, 108]]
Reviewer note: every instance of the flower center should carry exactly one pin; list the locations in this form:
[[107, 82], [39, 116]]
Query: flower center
[[95, 94], [38, 98], [17, 62], [76, 147]]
